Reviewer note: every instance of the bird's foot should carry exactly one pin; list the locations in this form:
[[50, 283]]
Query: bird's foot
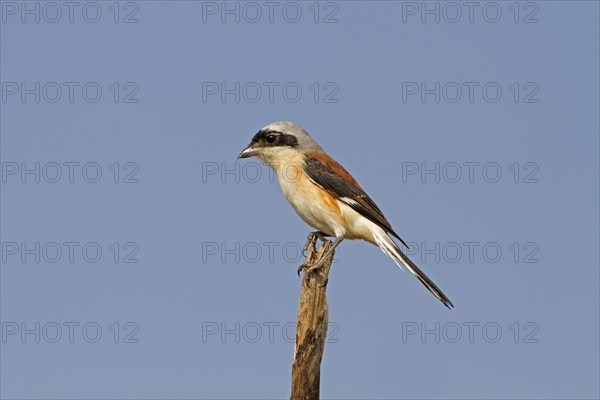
[[309, 267], [311, 244], [314, 268], [312, 241], [321, 235], [301, 268]]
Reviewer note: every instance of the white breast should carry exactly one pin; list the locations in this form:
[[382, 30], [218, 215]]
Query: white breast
[[311, 203]]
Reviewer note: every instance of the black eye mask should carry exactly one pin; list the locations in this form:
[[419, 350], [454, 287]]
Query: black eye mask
[[281, 139]]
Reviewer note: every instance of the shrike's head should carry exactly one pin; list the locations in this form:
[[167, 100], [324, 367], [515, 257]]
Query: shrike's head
[[279, 140]]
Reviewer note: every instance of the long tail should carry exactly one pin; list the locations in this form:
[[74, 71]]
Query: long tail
[[390, 248]]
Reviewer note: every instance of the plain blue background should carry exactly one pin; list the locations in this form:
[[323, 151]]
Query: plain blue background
[[183, 214]]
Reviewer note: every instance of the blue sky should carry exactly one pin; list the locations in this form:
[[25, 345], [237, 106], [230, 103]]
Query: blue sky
[[140, 259]]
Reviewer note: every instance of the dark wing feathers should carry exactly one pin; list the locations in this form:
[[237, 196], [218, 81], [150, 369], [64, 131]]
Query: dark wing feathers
[[331, 176]]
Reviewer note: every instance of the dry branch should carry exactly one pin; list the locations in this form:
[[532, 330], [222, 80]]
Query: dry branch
[[311, 326]]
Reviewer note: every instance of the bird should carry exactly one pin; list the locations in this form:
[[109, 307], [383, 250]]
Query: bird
[[326, 196]]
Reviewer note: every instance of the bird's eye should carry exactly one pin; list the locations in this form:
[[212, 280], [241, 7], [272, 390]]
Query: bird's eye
[[271, 139]]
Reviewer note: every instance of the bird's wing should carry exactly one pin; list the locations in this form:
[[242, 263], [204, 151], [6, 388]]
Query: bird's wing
[[327, 173]]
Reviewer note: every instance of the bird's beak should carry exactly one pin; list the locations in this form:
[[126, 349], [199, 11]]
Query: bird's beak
[[249, 151]]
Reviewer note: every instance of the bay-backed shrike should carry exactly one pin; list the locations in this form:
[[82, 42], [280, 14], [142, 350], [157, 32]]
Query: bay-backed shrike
[[326, 196]]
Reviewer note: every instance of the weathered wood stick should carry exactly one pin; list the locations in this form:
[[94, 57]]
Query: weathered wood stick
[[311, 327]]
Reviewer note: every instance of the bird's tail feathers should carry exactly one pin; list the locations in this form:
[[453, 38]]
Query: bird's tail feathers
[[389, 247]]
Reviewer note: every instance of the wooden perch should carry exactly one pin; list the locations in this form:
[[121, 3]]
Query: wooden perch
[[311, 327]]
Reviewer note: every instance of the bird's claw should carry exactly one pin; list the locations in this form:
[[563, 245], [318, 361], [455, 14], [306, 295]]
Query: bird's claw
[[305, 248], [312, 240], [308, 268], [312, 268], [300, 268]]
